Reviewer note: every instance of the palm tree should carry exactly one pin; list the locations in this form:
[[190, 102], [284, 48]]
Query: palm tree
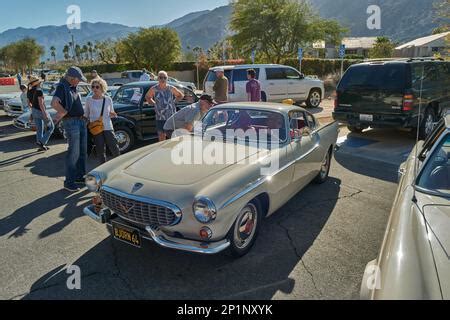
[[85, 51], [91, 50], [53, 53], [66, 51]]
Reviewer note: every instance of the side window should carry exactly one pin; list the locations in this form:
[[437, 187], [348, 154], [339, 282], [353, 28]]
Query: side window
[[240, 75], [275, 74], [299, 125], [129, 95], [291, 74], [311, 121]]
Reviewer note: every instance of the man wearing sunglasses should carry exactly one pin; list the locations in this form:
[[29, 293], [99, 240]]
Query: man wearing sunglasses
[[164, 97]]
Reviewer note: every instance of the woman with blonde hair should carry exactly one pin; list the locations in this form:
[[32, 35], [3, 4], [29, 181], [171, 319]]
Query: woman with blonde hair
[[99, 111]]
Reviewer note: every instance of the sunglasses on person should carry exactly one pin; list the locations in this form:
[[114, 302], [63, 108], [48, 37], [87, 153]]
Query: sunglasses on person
[[96, 87], [162, 78]]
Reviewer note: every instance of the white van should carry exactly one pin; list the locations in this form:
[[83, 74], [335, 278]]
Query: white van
[[278, 83]]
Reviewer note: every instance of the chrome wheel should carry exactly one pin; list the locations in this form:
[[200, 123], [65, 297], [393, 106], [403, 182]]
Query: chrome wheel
[[123, 139], [315, 99], [246, 226], [325, 167]]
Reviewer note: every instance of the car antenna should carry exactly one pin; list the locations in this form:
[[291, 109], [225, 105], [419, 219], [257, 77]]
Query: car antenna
[[416, 160]]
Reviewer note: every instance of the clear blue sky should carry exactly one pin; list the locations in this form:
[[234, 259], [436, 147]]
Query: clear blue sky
[[135, 13]]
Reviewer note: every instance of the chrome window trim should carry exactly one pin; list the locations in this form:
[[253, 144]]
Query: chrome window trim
[[253, 185], [177, 211], [416, 186]]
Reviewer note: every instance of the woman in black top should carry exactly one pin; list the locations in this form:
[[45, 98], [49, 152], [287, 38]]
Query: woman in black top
[[42, 119]]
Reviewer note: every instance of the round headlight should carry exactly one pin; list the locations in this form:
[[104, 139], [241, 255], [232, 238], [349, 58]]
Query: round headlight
[[204, 210], [93, 182]]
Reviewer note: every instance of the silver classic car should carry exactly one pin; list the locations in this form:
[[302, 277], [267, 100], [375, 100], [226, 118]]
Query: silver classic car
[[414, 260], [210, 191]]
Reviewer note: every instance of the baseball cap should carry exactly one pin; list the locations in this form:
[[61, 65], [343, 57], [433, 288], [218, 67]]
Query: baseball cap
[[207, 97], [76, 72]]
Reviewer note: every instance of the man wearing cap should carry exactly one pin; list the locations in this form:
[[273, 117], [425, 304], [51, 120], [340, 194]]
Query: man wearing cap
[[186, 118], [67, 102], [221, 87]]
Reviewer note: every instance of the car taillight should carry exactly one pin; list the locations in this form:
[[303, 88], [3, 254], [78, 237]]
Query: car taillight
[[408, 102]]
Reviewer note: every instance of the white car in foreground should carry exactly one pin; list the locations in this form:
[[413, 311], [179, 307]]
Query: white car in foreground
[[278, 83]]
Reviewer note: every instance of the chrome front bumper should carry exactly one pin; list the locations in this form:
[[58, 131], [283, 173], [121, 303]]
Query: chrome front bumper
[[163, 240]]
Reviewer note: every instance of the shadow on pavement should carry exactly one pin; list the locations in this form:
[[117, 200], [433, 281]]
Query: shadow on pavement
[[360, 166], [18, 221], [112, 270]]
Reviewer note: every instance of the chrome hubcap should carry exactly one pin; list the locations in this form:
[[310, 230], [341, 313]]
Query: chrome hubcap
[[325, 166], [123, 139], [315, 99], [245, 228]]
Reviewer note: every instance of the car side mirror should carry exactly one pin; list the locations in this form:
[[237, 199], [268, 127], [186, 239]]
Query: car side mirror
[[302, 76]]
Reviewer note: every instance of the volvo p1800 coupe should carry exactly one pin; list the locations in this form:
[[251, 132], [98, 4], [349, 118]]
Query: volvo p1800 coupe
[[210, 191]]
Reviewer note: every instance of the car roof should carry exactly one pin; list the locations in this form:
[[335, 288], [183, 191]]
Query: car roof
[[247, 66], [261, 106]]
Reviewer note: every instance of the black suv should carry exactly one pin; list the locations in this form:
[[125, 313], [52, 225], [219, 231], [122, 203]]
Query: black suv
[[136, 119], [383, 94]]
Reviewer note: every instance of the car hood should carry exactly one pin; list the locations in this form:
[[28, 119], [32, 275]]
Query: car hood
[[168, 165], [438, 219]]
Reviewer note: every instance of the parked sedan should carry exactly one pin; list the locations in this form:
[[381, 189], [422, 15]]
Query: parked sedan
[[137, 119], [14, 108], [414, 260], [4, 98], [188, 85], [160, 193]]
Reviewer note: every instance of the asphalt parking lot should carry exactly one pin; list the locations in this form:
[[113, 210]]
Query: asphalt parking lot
[[316, 247]]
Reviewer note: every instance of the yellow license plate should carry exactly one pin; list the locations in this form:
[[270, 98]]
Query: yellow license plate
[[126, 234]]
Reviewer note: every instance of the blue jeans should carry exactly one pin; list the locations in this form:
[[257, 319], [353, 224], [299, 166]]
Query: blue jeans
[[44, 130], [76, 157]]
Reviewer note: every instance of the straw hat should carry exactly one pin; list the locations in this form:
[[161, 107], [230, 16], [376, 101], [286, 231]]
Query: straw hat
[[34, 81]]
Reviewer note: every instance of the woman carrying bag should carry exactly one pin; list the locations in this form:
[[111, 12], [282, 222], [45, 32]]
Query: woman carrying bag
[[99, 111]]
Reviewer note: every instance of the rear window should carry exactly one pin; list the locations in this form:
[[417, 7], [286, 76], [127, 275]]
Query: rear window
[[376, 76]]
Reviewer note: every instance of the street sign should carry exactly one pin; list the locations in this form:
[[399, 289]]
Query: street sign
[[300, 54], [342, 51]]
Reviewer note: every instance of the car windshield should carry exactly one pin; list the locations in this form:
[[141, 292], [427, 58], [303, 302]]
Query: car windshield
[[129, 95], [247, 125], [435, 176]]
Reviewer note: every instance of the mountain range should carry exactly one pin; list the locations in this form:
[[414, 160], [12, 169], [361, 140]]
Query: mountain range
[[401, 20]]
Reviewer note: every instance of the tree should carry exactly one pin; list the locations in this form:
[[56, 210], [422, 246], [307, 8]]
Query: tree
[[78, 52], [24, 54], [66, 52], [107, 51], [53, 53], [156, 48], [91, 50], [277, 28], [383, 48], [85, 52]]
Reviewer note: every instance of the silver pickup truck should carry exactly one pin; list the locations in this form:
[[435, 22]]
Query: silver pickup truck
[[210, 190]]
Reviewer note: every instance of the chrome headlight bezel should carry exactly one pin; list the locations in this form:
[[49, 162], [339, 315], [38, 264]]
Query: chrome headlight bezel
[[93, 182], [204, 210]]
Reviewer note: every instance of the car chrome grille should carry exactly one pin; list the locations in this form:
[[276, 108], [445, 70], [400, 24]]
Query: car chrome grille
[[15, 108], [141, 212]]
